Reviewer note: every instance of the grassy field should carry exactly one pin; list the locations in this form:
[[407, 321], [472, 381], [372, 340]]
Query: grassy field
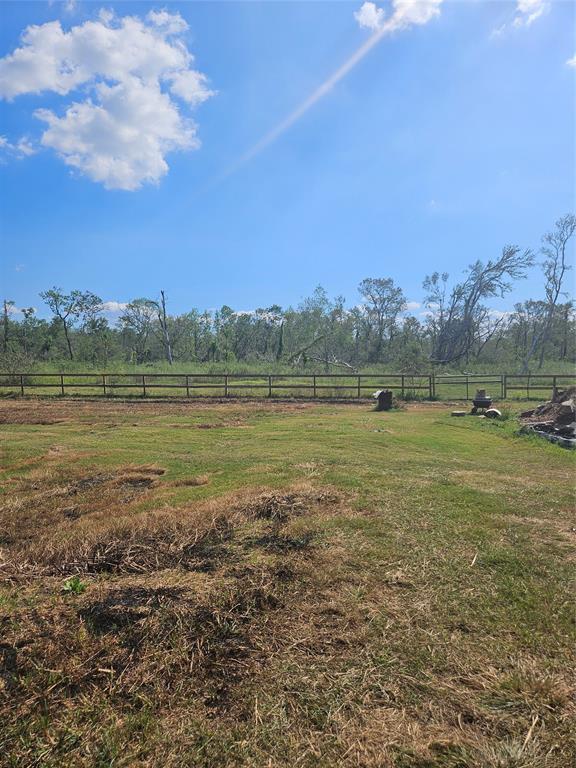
[[282, 584]]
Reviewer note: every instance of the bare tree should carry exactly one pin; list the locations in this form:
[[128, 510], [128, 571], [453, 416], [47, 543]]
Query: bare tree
[[71, 307], [164, 327], [555, 267], [7, 309], [458, 320]]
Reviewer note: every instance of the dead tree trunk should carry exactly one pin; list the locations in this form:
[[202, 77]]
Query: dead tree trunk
[[164, 326]]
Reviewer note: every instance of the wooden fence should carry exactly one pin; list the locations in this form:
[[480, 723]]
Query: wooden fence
[[329, 386]]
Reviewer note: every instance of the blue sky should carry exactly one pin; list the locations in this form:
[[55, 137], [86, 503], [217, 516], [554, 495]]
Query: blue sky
[[449, 139]]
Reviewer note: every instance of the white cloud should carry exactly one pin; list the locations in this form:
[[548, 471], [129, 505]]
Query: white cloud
[[572, 62], [410, 306], [113, 306], [118, 134], [171, 23], [22, 148], [527, 11], [370, 16], [25, 147], [405, 13], [190, 86], [120, 141]]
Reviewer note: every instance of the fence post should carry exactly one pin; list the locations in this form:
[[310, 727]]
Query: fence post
[[314, 384], [467, 392], [269, 386], [430, 393], [62, 383], [402, 384], [528, 387], [187, 387], [104, 384], [504, 387], [226, 385], [143, 386], [22, 384], [553, 387], [358, 386]]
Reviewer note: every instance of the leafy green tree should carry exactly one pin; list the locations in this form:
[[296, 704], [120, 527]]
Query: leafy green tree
[[69, 308], [383, 303], [137, 322]]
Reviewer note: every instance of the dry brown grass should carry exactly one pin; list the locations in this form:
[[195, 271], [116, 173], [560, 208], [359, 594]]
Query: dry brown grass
[[47, 411], [180, 609], [55, 498], [192, 482]]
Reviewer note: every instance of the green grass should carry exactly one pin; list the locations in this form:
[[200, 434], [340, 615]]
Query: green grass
[[430, 620]]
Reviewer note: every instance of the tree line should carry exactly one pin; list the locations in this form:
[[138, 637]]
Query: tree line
[[457, 324]]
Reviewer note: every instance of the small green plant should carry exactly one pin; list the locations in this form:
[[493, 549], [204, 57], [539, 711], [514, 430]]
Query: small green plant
[[74, 586]]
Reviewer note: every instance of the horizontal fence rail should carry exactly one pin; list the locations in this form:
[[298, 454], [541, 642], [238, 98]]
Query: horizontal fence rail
[[320, 385]]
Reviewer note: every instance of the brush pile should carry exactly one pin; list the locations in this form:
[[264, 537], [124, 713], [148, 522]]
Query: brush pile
[[556, 419]]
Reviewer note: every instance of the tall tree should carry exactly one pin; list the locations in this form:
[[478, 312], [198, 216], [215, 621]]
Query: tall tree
[[555, 267], [68, 308], [458, 319], [138, 319], [383, 303]]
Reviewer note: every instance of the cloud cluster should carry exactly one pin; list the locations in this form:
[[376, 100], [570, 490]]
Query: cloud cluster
[[405, 14], [131, 73]]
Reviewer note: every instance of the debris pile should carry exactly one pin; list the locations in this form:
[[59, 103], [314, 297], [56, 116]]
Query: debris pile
[[556, 419]]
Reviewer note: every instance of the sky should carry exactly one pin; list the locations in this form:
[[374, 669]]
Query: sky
[[242, 153]]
